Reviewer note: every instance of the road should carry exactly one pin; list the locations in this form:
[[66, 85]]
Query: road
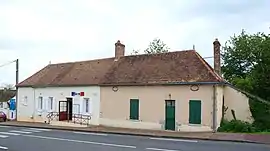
[[21, 139]]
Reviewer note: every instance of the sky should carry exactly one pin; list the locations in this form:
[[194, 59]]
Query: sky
[[41, 31]]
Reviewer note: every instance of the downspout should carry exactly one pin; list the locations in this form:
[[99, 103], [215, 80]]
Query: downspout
[[214, 109]]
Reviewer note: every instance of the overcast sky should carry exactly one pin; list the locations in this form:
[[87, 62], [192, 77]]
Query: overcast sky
[[39, 31]]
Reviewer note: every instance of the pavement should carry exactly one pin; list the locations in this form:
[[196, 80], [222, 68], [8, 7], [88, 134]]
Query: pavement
[[14, 138]]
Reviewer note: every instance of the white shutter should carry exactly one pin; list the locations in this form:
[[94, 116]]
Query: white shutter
[[90, 106]]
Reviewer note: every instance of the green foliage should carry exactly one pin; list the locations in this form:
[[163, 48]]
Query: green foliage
[[246, 64], [135, 52], [156, 46], [236, 126], [260, 112]]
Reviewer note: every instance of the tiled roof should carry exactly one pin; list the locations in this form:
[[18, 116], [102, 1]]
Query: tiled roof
[[179, 66]]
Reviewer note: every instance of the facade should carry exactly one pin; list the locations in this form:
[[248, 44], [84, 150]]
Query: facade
[[176, 91], [49, 100], [158, 107]]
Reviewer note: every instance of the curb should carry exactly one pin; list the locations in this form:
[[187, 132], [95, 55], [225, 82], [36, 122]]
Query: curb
[[133, 134]]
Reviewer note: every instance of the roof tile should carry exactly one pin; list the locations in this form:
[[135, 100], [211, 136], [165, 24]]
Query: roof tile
[[179, 66]]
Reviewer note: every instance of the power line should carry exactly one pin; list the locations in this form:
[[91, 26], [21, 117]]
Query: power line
[[208, 57], [5, 64]]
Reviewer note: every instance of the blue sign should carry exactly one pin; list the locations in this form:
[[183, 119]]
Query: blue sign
[[12, 104]]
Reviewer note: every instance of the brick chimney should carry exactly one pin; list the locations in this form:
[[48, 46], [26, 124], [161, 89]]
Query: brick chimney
[[119, 50], [217, 65]]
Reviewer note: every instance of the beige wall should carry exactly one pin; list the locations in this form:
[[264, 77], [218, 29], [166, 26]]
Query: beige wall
[[115, 106], [238, 102]]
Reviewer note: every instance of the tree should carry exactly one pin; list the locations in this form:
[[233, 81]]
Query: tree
[[246, 64], [156, 46], [246, 60], [8, 86], [135, 52]]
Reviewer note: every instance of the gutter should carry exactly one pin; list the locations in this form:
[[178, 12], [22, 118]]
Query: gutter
[[165, 83], [126, 84]]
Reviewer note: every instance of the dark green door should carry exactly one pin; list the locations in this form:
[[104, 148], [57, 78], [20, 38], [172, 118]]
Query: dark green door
[[170, 115]]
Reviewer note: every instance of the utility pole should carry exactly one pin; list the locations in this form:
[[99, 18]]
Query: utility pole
[[17, 81]]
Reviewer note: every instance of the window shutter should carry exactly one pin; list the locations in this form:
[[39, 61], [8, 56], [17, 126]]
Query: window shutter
[[195, 112]]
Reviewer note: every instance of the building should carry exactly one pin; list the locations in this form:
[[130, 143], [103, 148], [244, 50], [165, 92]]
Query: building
[[7, 103], [169, 91]]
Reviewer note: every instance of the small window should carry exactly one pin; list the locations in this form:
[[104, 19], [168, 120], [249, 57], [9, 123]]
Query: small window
[[170, 103], [40, 103], [50, 103], [1, 104], [86, 105], [25, 99]]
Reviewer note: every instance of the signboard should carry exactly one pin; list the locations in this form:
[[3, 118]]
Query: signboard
[[12, 104], [77, 93]]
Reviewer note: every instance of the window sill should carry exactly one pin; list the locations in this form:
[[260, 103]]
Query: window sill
[[194, 124], [133, 120]]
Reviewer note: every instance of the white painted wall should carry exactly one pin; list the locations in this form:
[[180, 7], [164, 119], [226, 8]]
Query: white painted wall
[[28, 110], [238, 102]]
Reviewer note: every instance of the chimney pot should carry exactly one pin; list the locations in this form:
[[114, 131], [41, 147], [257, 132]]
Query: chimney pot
[[119, 50], [217, 65]]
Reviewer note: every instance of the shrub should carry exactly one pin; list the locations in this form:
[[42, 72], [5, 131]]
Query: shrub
[[236, 126]]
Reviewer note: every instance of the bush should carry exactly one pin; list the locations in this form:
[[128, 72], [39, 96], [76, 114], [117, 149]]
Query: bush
[[236, 126]]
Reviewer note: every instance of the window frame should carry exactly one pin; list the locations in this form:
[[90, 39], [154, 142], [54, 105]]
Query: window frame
[[40, 103], [25, 100], [86, 105], [191, 120], [50, 103], [131, 111]]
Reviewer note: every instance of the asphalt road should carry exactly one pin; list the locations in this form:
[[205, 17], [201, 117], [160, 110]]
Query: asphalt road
[[31, 139]]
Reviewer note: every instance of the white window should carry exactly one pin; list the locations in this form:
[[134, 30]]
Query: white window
[[86, 105], [1, 104], [40, 103], [25, 99], [50, 103]]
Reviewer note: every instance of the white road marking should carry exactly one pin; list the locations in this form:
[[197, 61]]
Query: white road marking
[[160, 149], [80, 141], [2, 147], [40, 129], [3, 136], [23, 132], [4, 126], [7, 133], [177, 140], [30, 130], [86, 133]]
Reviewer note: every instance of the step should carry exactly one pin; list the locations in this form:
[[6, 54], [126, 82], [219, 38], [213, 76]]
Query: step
[[66, 124]]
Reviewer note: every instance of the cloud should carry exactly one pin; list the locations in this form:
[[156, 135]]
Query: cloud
[[37, 32]]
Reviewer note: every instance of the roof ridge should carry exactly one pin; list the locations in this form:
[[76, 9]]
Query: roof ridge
[[72, 62], [152, 54], [208, 66]]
